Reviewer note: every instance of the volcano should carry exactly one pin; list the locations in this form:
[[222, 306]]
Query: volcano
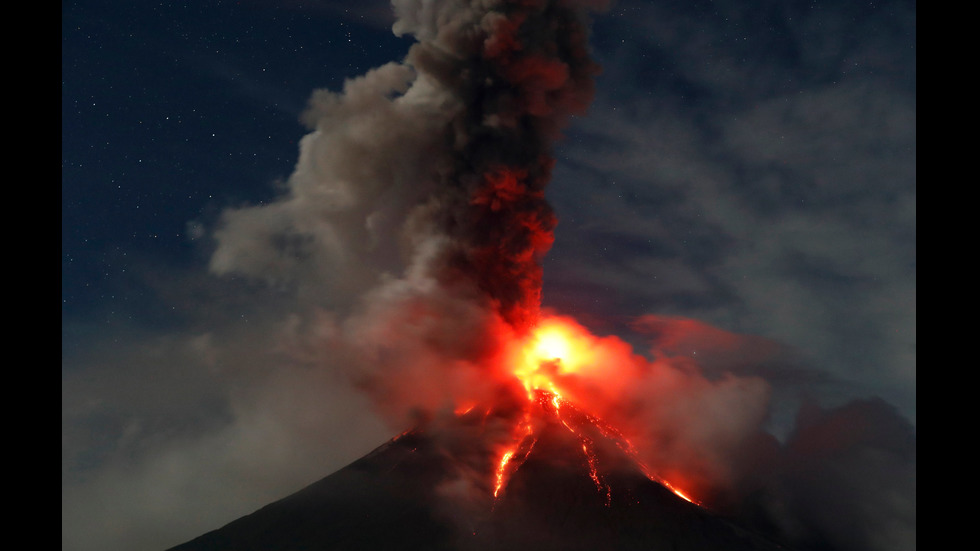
[[462, 135], [572, 487]]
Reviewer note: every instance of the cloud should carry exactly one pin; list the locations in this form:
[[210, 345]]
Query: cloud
[[151, 458], [777, 201], [846, 479]]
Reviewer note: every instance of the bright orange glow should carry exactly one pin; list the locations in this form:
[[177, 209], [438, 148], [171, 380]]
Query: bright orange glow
[[681, 494], [575, 378], [552, 344], [677, 492], [556, 348], [502, 471]]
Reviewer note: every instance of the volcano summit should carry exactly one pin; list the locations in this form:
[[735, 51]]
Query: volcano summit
[[526, 469]]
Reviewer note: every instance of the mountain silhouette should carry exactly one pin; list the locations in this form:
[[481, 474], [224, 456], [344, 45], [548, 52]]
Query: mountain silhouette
[[413, 493]]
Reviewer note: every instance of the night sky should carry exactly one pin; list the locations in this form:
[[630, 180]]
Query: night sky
[[749, 165]]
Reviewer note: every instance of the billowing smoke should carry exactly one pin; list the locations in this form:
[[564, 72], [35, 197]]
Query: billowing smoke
[[416, 209], [442, 159], [414, 224]]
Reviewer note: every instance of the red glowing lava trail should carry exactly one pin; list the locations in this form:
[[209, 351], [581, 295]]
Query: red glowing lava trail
[[544, 365]]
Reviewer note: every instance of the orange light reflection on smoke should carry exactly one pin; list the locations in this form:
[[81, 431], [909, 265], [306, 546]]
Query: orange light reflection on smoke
[[552, 364]]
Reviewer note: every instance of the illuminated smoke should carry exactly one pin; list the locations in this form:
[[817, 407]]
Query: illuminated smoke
[[416, 209]]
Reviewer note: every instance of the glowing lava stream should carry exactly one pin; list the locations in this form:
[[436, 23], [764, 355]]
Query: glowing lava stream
[[552, 352]]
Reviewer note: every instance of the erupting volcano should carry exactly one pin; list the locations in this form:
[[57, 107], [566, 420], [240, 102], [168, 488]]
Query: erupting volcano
[[553, 354], [531, 432]]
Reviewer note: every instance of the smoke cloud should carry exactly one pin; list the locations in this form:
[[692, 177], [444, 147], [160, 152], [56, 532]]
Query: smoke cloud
[[414, 224], [439, 162], [416, 209]]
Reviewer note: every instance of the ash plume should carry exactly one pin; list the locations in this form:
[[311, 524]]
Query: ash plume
[[416, 210], [441, 159]]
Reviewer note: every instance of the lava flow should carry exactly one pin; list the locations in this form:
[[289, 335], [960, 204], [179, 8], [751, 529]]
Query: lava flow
[[549, 365]]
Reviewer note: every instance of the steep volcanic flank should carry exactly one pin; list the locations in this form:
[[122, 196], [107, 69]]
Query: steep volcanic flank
[[401, 496]]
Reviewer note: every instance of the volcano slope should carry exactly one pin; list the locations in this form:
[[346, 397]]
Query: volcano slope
[[422, 490]]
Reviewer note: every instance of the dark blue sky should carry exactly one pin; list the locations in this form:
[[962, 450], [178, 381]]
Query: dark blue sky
[[750, 165], [171, 113]]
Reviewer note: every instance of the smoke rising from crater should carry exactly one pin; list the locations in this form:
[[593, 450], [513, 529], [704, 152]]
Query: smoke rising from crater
[[433, 168]]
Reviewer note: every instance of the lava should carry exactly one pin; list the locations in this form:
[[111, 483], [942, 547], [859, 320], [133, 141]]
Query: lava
[[677, 492], [501, 471], [546, 364]]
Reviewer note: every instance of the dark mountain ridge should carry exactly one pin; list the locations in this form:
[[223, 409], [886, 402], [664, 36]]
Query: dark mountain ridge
[[414, 492]]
